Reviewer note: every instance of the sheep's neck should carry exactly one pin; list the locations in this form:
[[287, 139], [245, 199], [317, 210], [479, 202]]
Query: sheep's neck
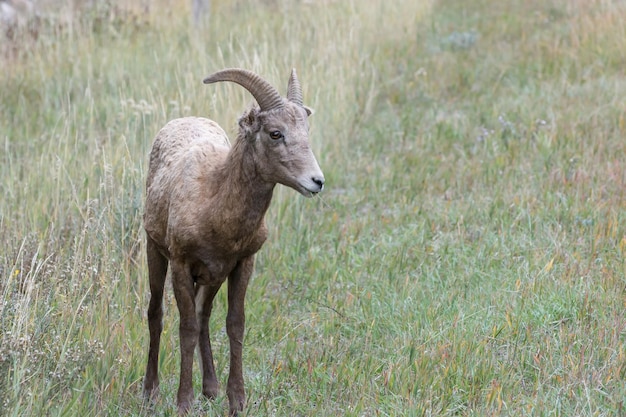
[[244, 195]]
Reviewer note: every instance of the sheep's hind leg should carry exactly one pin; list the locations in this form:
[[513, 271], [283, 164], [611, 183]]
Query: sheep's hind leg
[[204, 304], [184, 292], [157, 271], [235, 325]]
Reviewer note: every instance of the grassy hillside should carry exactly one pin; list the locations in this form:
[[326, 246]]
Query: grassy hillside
[[466, 258]]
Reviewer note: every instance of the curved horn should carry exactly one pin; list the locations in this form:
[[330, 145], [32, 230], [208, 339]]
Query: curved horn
[[264, 93], [294, 90]]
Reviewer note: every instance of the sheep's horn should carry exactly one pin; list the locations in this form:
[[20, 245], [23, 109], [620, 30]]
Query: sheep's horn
[[264, 93], [294, 90]]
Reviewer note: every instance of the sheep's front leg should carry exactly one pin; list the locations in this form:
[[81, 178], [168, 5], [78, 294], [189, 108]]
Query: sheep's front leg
[[183, 284], [204, 302], [235, 324]]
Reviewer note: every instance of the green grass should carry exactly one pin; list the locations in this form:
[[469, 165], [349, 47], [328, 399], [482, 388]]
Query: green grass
[[468, 254]]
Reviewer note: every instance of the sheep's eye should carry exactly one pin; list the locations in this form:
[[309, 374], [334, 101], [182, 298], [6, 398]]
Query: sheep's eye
[[276, 134]]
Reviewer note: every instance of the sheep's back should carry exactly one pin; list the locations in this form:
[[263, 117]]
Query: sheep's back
[[175, 138], [184, 151]]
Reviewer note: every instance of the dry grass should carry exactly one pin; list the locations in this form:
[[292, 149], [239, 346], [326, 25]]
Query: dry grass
[[467, 257]]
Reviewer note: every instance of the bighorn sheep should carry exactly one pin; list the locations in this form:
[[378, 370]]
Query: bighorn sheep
[[204, 215]]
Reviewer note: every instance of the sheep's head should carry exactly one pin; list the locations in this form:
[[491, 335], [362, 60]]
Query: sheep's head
[[279, 132]]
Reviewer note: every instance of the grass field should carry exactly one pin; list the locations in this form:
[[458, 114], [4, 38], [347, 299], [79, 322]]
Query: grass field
[[467, 257]]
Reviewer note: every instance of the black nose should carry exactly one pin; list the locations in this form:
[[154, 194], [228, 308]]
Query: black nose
[[319, 181]]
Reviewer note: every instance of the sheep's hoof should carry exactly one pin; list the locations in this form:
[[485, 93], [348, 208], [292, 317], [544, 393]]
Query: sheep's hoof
[[185, 402], [236, 405], [234, 412], [150, 393], [211, 390], [184, 408]]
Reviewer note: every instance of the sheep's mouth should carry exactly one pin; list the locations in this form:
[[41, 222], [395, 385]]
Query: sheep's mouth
[[308, 193], [307, 189]]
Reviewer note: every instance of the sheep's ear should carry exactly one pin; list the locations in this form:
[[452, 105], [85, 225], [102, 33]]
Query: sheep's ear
[[249, 122], [309, 111]]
